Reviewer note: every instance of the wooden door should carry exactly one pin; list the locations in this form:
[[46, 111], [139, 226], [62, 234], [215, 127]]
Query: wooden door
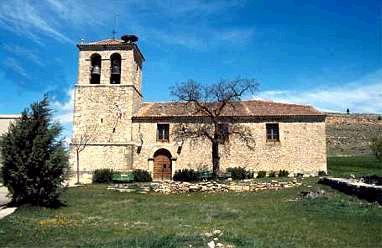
[[162, 167]]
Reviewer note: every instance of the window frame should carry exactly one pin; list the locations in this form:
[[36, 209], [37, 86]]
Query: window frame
[[272, 136], [164, 133]]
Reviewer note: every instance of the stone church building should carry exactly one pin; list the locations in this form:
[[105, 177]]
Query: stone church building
[[123, 132]]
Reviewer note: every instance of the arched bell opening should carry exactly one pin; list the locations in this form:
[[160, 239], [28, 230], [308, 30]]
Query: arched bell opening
[[95, 69], [115, 76]]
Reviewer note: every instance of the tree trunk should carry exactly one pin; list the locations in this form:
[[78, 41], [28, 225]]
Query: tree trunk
[[215, 159], [78, 166]]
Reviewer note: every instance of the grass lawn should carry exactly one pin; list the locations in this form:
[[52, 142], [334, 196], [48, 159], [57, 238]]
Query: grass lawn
[[95, 217], [356, 165]]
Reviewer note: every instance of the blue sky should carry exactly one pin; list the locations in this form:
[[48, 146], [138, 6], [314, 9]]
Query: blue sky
[[324, 53]]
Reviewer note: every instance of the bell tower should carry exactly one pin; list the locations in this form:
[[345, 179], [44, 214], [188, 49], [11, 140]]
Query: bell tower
[[107, 94]]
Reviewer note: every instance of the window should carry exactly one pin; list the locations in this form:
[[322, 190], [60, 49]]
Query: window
[[115, 61], [95, 69], [163, 132], [272, 132]]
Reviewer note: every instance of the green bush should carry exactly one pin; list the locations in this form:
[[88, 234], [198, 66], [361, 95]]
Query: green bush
[[35, 161], [261, 174], [142, 176], [186, 175], [272, 174], [283, 173], [322, 173], [239, 173], [376, 147], [102, 176]]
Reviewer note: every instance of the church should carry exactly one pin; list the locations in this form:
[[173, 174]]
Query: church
[[123, 132]]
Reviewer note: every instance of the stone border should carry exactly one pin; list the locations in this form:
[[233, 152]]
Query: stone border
[[362, 190], [174, 187]]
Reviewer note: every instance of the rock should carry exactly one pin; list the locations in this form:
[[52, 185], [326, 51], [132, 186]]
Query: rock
[[217, 232], [219, 245], [211, 244], [208, 234], [216, 239]]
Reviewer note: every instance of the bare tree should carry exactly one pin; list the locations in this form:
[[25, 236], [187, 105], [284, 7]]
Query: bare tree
[[79, 143], [215, 106]]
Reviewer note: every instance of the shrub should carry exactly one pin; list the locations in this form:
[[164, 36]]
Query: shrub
[[322, 173], [102, 176], [186, 175], [300, 175], [142, 176], [240, 173], [379, 118], [35, 161], [272, 174], [376, 147], [261, 174], [283, 173]]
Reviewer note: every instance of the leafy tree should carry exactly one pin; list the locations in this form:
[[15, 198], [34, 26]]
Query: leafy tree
[[35, 161], [376, 147], [215, 104]]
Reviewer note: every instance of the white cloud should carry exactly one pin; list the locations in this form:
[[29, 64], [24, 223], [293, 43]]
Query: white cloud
[[64, 110], [22, 18], [64, 114], [188, 23], [23, 53], [362, 96], [13, 65]]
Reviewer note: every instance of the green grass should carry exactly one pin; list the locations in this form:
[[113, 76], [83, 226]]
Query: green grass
[[356, 165], [95, 217]]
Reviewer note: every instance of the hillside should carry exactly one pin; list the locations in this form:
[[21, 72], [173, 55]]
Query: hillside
[[351, 134]]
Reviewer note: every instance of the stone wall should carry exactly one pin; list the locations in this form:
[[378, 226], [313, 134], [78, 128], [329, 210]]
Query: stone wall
[[130, 69], [104, 112], [5, 121], [302, 148]]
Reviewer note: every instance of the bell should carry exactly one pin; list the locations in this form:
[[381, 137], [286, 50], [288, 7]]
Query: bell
[[96, 70], [115, 69]]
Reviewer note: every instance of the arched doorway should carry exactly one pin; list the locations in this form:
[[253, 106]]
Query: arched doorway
[[162, 165]]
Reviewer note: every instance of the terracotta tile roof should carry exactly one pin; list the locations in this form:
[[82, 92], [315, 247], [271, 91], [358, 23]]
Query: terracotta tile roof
[[252, 108], [106, 42]]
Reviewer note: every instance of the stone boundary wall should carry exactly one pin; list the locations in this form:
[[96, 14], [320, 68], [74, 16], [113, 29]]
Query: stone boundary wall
[[362, 190]]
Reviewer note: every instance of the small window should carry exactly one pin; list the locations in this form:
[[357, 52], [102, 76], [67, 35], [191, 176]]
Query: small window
[[163, 132], [272, 132]]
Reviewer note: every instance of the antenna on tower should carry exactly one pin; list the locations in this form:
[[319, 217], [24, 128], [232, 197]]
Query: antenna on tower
[[113, 32]]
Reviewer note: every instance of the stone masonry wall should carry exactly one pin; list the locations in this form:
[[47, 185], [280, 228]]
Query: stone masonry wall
[[302, 148], [130, 73], [103, 112]]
